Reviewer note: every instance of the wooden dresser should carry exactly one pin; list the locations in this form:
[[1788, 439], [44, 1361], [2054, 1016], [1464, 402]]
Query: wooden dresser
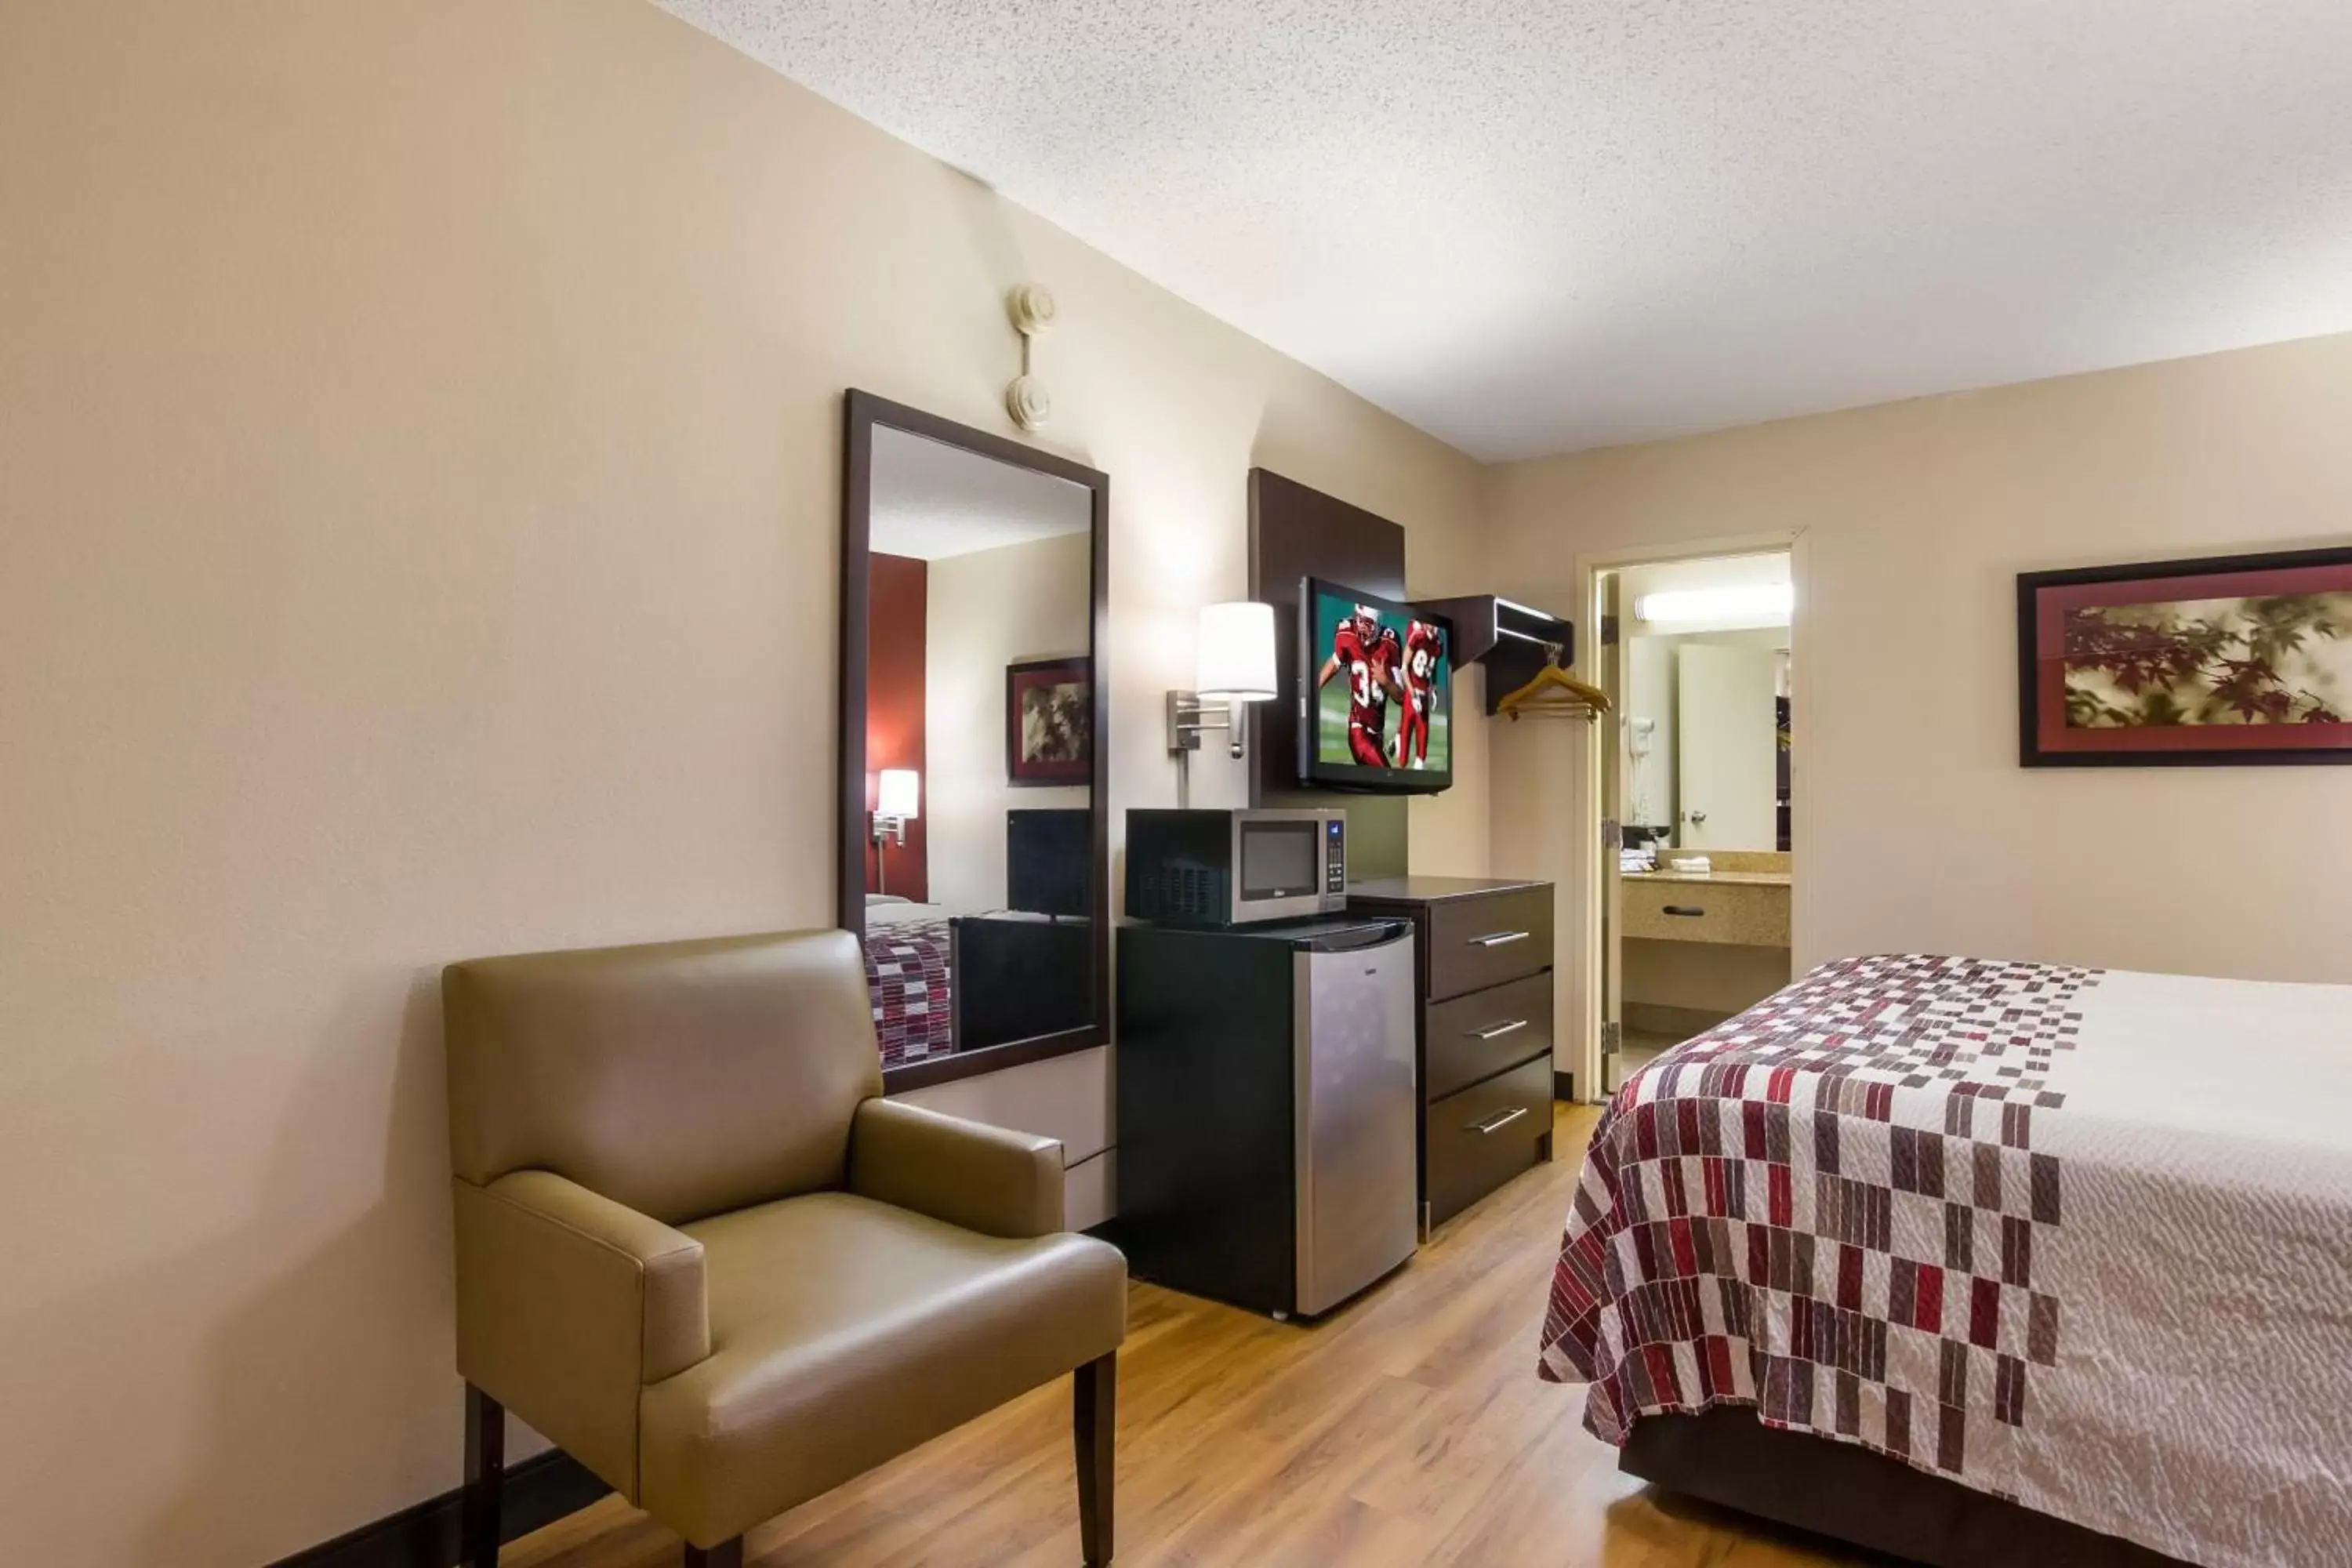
[[1484, 994]]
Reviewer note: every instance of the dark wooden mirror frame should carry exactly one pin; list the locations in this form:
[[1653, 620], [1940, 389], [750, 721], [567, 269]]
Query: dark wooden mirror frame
[[863, 412]]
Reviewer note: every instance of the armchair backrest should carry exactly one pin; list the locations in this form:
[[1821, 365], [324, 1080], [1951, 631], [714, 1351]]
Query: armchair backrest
[[679, 1079]]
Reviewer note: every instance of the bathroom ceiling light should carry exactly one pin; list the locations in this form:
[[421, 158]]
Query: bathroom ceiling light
[[1769, 601]]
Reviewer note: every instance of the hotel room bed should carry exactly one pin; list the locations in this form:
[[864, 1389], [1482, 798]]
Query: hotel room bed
[[1946, 1256], [907, 963]]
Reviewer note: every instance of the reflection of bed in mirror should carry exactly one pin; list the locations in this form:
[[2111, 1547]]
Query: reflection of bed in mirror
[[907, 975], [943, 983]]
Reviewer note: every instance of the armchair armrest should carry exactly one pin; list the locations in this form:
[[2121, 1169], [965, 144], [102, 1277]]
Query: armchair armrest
[[568, 1303], [984, 1178]]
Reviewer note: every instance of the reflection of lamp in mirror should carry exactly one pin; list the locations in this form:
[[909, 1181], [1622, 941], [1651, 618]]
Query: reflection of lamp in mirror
[[898, 800], [1235, 665]]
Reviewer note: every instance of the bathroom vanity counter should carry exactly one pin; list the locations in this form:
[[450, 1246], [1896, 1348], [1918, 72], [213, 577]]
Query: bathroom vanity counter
[[1740, 909], [1727, 878]]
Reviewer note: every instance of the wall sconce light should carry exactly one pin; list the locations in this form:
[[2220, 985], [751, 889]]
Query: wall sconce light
[[898, 800], [1235, 666]]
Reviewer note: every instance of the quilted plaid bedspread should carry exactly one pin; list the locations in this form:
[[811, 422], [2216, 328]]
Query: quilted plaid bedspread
[[2079, 1238], [907, 976]]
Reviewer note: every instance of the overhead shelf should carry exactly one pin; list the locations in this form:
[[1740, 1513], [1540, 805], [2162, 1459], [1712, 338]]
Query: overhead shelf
[[1511, 640]]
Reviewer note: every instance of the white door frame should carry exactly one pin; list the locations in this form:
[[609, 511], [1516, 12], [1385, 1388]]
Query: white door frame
[[1581, 943]]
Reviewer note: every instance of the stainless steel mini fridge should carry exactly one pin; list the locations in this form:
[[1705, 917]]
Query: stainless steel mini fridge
[[1267, 1110]]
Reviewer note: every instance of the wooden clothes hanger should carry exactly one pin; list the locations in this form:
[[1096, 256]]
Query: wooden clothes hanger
[[1555, 691]]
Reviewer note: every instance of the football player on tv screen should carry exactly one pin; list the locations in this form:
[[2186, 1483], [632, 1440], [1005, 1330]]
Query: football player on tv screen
[[1423, 646], [1370, 653]]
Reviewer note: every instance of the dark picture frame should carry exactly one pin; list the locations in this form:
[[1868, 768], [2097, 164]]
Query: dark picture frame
[[1049, 732], [2096, 688], [862, 413]]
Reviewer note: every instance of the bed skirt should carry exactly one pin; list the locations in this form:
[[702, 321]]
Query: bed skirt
[[1726, 1456]]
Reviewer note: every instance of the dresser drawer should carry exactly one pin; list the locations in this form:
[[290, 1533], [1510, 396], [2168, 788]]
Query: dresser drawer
[[1745, 914], [1479, 1035], [1480, 941], [1485, 1134]]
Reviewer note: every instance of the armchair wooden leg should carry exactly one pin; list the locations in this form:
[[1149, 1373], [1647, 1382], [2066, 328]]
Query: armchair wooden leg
[[726, 1554], [486, 1459], [1094, 1409]]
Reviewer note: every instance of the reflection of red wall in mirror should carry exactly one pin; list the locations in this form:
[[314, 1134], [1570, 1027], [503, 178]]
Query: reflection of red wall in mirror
[[895, 617]]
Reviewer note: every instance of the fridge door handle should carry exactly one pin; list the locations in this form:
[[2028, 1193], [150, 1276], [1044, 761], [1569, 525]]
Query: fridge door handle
[[1495, 1031], [1498, 938], [1387, 933], [1496, 1124]]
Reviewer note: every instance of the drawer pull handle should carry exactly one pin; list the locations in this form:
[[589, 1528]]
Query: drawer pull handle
[[1688, 911], [1496, 1123], [1497, 1031], [1499, 938]]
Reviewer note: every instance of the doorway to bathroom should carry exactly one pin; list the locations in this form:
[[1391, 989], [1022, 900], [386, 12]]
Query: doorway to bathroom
[[1696, 794]]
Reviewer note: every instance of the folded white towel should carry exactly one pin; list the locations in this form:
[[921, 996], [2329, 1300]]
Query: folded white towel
[[1696, 865]]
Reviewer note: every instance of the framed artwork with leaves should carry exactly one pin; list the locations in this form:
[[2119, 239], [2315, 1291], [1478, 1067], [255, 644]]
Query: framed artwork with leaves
[[1049, 721], [2230, 659]]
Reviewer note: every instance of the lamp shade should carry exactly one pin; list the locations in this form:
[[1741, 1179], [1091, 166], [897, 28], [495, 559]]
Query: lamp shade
[[1236, 651], [899, 793]]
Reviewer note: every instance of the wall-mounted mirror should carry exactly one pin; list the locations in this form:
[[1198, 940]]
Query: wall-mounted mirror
[[1706, 690], [974, 860]]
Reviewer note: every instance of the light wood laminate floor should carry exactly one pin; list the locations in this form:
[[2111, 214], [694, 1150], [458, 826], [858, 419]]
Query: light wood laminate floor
[[1408, 1429]]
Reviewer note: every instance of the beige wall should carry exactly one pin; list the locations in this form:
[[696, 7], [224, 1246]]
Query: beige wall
[[988, 609], [419, 430], [1915, 827]]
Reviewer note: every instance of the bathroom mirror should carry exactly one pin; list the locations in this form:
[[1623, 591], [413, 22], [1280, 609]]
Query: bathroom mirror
[[1706, 730], [974, 851]]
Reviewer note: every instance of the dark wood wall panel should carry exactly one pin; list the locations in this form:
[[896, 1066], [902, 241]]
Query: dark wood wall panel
[[1299, 532]]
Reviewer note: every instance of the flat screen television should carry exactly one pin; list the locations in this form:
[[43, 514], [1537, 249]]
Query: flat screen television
[[1048, 853], [1376, 693]]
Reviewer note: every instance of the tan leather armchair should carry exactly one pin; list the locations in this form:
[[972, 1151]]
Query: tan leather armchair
[[700, 1252]]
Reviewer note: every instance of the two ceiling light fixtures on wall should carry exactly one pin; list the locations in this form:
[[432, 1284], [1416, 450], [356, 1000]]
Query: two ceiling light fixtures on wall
[[1236, 660], [1027, 402]]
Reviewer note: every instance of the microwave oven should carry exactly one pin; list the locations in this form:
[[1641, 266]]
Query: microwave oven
[[1235, 868]]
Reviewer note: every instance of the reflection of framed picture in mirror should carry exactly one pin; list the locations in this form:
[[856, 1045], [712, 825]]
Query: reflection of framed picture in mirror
[[1049, 721]]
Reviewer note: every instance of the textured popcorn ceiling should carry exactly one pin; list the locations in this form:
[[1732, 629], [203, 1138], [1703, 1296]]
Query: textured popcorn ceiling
[[1532, 228]]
